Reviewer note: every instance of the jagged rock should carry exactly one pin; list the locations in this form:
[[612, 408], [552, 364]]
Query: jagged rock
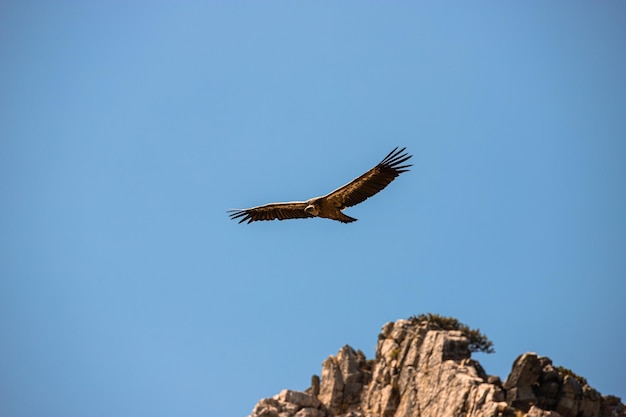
[[612, 406], [535, 382], [448, 382], [267, 407], [290, 403], [519, 385], [427, 373], [300, 399], [421, 371], [331, 387], [343, 378]]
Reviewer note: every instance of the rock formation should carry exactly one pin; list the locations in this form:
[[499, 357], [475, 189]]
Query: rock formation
[[422, 370]]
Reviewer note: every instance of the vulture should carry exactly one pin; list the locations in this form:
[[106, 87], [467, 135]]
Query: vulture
[[331, 205]]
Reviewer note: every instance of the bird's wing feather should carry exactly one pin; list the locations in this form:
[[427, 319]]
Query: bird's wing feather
[[272, 211], [373, 181]]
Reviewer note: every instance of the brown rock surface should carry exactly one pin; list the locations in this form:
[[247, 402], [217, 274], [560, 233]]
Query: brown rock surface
[[421, 370]]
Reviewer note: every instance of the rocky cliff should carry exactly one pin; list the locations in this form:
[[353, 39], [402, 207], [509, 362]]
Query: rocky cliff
[[423, 368]]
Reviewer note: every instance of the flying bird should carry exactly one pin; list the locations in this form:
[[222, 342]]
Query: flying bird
[[331, 205]]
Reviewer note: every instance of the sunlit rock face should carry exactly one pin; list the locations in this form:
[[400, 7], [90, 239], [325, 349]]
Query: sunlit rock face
[[421, 370]]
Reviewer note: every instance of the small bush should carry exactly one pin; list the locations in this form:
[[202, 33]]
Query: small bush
[[478, 342], [394, 353], [568, 372]]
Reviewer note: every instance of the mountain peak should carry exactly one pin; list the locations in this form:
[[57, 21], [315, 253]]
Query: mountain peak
[[423, 367]]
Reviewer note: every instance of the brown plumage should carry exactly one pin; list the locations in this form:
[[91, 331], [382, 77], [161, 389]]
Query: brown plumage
[[331, 205]]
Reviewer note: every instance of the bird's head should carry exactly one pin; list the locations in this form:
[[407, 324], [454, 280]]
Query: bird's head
[[312, 210]]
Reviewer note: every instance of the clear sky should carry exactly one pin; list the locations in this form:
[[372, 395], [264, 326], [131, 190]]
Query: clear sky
[[127, 129]]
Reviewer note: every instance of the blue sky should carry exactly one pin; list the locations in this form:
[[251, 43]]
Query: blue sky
[[129, 128]]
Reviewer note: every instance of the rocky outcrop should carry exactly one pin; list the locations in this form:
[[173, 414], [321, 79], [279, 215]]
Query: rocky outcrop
[[290, 403], [535, 383], [421, 370]]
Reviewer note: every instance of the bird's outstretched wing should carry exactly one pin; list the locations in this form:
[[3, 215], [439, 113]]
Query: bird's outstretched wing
[[280, 211], [374, 180]]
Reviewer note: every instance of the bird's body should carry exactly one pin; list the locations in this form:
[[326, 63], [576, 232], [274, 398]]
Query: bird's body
[[330, 206]]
